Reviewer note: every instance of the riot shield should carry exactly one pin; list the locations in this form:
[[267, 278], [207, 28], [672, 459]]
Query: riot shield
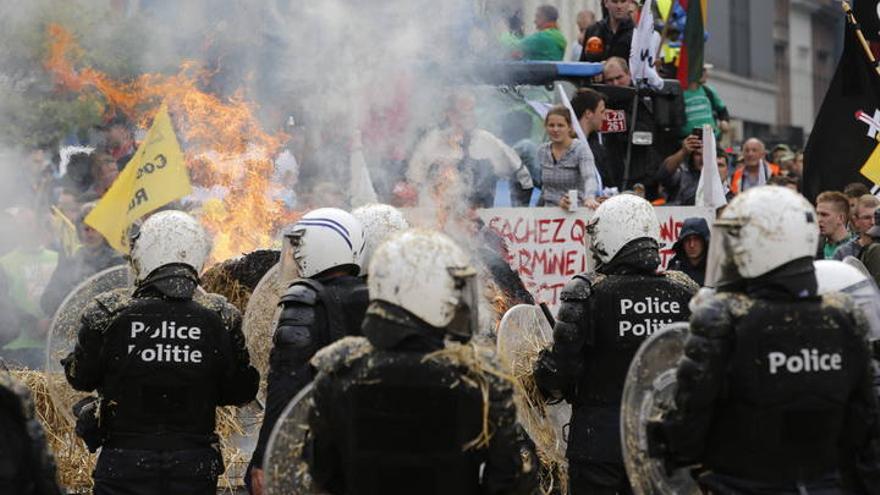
[[285, 469], [259, 322], [63, 332], [522, 333], [649, 392]]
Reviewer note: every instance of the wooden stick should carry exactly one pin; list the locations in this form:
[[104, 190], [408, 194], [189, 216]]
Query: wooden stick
[[852, 19]]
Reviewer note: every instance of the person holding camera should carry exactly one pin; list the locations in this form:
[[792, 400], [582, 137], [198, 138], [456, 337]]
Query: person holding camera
[[680, 173]]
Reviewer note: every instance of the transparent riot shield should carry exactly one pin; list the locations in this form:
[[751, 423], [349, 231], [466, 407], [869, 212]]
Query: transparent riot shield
[[63, 332], [523, 332], [649, 392], [259, 322], [285, 470]]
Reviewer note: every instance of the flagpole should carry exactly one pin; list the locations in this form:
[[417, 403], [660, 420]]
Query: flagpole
[[852, 19]]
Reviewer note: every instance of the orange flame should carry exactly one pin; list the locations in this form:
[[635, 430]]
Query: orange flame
[[223, 142]]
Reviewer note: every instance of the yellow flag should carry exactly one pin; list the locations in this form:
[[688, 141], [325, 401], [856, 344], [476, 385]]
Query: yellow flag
[[155, 176], [65, 230], [871, 168], [665, 7]]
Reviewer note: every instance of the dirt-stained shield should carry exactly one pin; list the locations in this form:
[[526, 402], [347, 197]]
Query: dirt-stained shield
[[65, 325], [259, 321], [523, 332], [649, 392], [285, 469]]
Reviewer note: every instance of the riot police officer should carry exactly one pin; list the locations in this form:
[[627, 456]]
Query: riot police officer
[[603, 318], [406, 409], [775, 386], [379, 221], [26, 465], [325, 301], [162, 357]]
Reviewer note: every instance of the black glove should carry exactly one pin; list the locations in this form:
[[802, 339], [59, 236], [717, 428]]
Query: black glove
[[87, 427]]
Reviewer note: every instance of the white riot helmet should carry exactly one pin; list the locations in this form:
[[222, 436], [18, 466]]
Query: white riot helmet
[[759, 231], [169, 237], [427, 274], [850, 277], [379, 221], [322, 239], [617, 222]]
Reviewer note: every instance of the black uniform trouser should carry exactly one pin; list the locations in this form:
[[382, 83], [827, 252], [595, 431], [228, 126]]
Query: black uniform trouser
[[597, 478], [151, 472]]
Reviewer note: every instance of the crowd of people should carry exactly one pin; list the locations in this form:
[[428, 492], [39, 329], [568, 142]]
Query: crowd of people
[[379, 317]]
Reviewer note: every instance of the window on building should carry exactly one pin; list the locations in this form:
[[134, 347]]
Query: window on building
[[740, 38]]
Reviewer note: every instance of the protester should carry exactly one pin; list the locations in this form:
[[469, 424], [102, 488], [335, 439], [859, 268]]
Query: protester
[[27, 270], [870, 255], [119, 140], [547, 43], [755, 170], [615, 72], [853, 192], [93, 256], [324, 300], [104, 171], [589, 108], [159, 390], [585, 19], [612, 36], [691, 249], [680, 173], [596, 336], [832, 208], [702, 106], [463, 160], [862, 222], [566, 164]]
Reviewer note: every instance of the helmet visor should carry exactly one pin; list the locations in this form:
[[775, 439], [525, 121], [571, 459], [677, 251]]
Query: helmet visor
[[466, 321], [290, 269], [720, 266], [866, 295]]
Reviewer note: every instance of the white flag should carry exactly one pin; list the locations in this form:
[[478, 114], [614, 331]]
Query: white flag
[[643, 49], [361, 187], [710, 190]]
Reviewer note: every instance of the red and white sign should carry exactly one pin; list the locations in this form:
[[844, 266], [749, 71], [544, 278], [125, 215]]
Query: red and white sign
[[615, 121], [545, 245]]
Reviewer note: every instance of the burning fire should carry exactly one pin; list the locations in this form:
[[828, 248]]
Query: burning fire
[[222, 140]]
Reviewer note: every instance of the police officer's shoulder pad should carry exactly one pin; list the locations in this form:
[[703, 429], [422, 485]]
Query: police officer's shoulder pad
[[300, 293], [713, 316], [844, 303], [580, 287], [99, 313], [218, 303], [682, 279], [341, 354]]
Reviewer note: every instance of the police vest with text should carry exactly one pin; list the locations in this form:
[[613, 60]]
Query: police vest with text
[[624, 311], [164, 357], [793, 368]]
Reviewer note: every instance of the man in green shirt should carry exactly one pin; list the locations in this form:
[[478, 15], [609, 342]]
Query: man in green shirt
[[546, 44], [26, 271]]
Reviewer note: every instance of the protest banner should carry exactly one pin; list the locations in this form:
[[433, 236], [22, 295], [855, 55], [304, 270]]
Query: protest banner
[[545, 245]]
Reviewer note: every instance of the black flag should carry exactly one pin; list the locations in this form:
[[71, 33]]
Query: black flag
[[868, 18], [844, 134]]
